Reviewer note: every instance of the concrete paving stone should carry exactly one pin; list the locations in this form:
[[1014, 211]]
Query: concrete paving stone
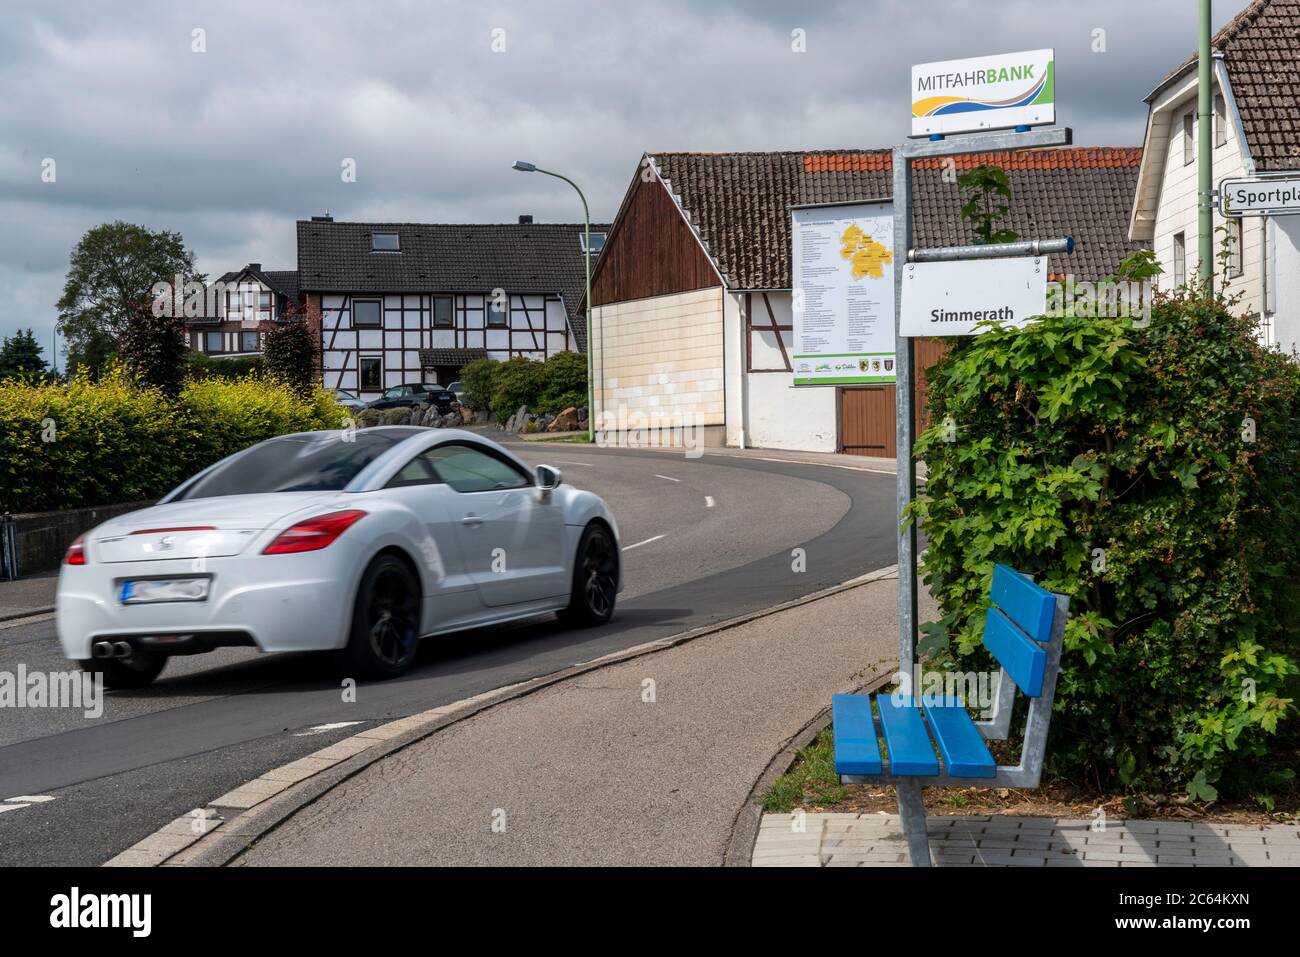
[[1164, 858], [788, 862], [1137, 864], [1091, 855], [299, 770], [346, 748], [131, 858]]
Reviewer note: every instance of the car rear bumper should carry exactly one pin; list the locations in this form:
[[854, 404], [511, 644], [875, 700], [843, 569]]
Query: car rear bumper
[[274, 605]]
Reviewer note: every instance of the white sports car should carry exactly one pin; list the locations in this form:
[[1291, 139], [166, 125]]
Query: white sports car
[[361, 541]]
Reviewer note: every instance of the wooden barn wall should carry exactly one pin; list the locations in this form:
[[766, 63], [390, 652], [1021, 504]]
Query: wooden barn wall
[[652, 252]]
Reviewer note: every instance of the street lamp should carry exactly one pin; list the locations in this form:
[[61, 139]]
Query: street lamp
[[523, 167]]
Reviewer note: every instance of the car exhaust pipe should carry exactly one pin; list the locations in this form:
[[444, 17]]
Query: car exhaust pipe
[[102, 649], [121, 649]]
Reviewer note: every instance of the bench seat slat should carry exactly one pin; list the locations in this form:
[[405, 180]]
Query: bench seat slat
[[856, 749], [1030, 606], [1023, 660], [964, 753], [906, 739]]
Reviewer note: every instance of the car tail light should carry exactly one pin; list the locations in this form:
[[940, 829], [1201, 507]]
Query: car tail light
[[314, 533], [76, 554]]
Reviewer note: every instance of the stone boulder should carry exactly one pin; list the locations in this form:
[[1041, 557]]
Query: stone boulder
[[566, 421]]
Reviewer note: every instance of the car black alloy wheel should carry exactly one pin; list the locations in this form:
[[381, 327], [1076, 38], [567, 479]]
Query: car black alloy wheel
[[392, 616], [595, 579]]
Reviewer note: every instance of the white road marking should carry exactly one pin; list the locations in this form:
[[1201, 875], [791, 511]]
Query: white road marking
[[12, 807], [32, 798], [708, 501], [563, 462], [322, 728], [667, 477], [627, 548]]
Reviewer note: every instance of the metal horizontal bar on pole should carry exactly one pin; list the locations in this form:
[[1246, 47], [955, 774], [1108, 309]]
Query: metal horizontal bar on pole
[[1027, 247], [989, 142]]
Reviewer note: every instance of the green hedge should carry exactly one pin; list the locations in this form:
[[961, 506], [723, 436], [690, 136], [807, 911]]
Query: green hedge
[[96, 443], [1118, 465], [550, 386]]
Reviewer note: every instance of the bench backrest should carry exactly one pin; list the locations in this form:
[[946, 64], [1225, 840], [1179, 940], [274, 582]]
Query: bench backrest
[[1021, 616]]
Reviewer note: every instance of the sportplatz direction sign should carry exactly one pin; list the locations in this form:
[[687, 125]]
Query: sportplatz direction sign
[[1263, 196], [984, 93], [952, 298]]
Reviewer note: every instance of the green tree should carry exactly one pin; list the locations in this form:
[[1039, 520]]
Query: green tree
[[20, 355], [153, 347], [291, 352], [112, 269]]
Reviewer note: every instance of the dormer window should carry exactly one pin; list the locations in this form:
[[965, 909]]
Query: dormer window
[[597, 242], [384, 243]]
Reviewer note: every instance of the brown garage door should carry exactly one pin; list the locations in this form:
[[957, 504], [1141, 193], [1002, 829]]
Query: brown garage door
[[867, 418]]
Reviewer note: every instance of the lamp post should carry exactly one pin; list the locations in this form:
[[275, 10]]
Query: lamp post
[[523, 167]]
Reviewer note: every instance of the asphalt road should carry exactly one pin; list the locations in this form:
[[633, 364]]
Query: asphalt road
[[705, 539]]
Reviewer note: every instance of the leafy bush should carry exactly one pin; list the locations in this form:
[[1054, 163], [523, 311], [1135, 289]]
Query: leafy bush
[[1174, 449], [565, 382], [199, 365], [550, 386], [292, 353], [153, 347], [515, 382], [117, 440], [476, 377]]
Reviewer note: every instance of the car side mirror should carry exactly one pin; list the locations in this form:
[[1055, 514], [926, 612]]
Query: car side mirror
[[548, 477]]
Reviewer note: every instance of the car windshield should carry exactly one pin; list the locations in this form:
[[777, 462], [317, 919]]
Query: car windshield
[[296, 463]]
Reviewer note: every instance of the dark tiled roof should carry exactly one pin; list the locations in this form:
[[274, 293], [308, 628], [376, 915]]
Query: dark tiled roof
[[516, 257], [740, 202], [1261, 49], [449, 357], [283, 281]]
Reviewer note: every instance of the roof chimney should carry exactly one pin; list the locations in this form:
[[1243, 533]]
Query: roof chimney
[[257, 266], [327, 218], [525, 219]]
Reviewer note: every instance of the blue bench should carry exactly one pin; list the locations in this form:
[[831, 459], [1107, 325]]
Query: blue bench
[[937, 743]]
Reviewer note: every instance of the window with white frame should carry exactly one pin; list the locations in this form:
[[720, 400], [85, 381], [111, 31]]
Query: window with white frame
[[1220, 121], [384, 243], [498, 312], [371, 373], [1189, 143], [1180, 259], [367, 312], [212, 342], [248, 341], [442, 312]]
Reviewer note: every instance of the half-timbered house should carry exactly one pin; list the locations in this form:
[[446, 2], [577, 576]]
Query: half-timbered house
[[239, 309], [692, 304], [412, 302]]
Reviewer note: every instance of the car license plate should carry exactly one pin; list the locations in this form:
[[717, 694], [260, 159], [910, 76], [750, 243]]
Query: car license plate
[[147, 590]]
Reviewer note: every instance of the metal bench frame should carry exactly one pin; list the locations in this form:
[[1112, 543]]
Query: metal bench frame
[[1026, 774]]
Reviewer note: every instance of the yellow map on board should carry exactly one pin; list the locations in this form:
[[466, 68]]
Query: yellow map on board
[[868, 256]]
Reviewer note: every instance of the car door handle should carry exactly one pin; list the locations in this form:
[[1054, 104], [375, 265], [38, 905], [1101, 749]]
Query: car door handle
[[471, 520]]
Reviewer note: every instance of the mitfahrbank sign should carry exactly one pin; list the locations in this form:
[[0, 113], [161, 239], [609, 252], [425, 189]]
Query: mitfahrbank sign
[[984, 93]]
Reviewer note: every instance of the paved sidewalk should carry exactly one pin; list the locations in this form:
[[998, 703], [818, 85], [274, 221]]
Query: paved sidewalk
[[643, 762], [33, 595], [876, 840]]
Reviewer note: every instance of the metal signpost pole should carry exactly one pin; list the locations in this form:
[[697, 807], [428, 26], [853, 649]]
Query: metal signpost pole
[[995, 142]]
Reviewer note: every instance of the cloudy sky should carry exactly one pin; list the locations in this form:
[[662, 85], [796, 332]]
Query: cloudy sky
[[230, 134]]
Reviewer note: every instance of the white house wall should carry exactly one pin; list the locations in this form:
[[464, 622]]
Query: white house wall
[[1285, 269], [537, 327], [1177, 208], [777, 415]]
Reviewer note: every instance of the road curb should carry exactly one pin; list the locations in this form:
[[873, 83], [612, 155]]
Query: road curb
[[27, 613], [218, 833]]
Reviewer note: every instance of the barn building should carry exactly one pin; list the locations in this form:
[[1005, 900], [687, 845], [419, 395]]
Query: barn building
[[692, 302]]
